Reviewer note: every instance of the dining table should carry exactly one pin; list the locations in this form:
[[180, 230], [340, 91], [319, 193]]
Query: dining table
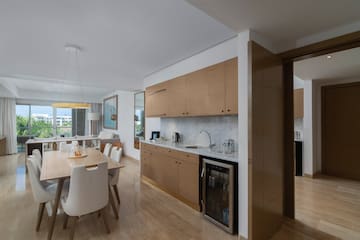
[[57, 165]]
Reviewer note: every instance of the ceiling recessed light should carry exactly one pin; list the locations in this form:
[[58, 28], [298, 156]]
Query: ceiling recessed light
[[329, 57]]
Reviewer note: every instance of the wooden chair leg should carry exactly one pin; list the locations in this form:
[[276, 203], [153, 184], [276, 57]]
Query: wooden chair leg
[[72, 232], [104, 215], [40, 214], [66, 221], [116, 193], [113, 204]]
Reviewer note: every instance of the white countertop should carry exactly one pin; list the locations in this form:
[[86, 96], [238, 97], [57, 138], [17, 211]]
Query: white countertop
[[199, 151]]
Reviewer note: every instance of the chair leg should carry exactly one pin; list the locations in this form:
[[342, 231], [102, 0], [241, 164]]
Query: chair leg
[[72, 232], [40, 214], [104, 215], [66, 221], [116, 193], [113, 204]]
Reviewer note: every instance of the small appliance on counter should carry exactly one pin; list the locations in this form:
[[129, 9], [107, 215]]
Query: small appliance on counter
[[229, 146], [155, 135], [176, 137]]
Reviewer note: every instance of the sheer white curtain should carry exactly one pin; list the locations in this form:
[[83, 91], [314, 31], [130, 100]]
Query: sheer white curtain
[[8, 123]]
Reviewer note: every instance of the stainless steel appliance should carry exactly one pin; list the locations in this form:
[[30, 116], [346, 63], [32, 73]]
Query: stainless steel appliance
[[229, 146], [219, 195], [155, 135], [176, 137]]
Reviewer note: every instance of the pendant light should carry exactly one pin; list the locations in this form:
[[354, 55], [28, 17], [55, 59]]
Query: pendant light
[[73, 51]]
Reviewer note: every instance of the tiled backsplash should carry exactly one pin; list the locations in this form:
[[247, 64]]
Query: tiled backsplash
[[220, 128]]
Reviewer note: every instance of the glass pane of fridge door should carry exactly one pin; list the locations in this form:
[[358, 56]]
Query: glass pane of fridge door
[[217, 193]]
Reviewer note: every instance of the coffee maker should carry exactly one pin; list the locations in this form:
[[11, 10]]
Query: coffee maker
[[176, 137]]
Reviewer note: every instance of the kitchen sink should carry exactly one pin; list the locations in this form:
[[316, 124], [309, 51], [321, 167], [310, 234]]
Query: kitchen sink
[[192, 146]]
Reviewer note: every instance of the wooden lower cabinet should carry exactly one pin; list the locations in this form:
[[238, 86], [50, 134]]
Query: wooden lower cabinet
[[173, 171]]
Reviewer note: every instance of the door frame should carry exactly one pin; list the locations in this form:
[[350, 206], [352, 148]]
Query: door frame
[[344, 42]]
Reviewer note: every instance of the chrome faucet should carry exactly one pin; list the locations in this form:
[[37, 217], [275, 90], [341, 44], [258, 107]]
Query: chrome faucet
[[208, 134]]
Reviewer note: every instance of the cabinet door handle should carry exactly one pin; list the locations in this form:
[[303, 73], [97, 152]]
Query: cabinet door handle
[[228, 110], [157, 91], [222, 110], [202, 173]]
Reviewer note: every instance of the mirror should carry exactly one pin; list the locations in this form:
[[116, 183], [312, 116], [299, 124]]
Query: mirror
[[139, 118]]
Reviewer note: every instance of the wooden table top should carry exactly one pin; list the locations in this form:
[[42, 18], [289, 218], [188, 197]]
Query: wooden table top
[[57, 164]]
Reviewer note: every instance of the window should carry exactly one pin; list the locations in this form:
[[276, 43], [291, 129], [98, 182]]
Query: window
[[46, 121], [41, 121], [64, 122]]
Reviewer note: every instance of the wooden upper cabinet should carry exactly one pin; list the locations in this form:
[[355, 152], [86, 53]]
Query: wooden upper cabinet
[[177, 91], [231, 86], [209, 91], [299, 103], [215, 89], [206, 96], [156, 104]]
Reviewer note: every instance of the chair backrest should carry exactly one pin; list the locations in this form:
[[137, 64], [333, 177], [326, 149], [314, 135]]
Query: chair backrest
[[88, 190], [116, 154], [107, 149], [37, 159], [64, 147], [39, 193]]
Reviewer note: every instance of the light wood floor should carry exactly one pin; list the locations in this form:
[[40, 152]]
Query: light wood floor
[[329, 204], [148, 213]]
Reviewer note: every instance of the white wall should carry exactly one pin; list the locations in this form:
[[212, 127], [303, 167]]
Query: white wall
[[244, 84], [308, 128], [126, 122]]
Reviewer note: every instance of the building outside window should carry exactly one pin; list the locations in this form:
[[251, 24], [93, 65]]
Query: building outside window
[[34, 121]]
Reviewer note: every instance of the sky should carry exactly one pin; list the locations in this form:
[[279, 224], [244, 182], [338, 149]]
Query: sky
[[23, 110]]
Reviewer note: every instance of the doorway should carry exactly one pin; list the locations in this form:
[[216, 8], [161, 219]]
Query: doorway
[[326, 129]]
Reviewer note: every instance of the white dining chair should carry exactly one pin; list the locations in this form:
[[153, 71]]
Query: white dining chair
[[107, 149], [64, 147], [114, 174], [41, 194], [88, 193], [36, 155]]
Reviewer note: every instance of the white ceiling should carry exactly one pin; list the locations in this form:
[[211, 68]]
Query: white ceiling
[[282, 21], [125, 40], [342, 65], [122, 41]]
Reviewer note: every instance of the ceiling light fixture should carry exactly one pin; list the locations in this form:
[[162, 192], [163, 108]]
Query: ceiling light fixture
[[329, 57], [73, 54]]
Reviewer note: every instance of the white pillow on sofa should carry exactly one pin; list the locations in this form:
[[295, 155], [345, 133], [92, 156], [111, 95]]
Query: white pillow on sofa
[[106, 135]]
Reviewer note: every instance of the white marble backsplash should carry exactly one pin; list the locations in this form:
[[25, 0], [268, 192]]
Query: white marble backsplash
[[220, 128]]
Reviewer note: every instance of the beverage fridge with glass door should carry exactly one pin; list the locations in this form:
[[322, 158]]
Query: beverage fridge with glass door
[[219, 193]]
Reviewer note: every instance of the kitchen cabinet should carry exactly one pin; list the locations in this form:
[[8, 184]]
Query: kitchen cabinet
[[173, 171], [156, 98], [188, 180], [299, 103], [177, 90], [205, 92], [231, 86]]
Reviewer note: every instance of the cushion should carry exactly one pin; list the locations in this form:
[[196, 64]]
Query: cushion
[[106, 135]]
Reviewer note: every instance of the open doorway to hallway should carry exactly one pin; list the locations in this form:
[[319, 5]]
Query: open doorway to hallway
[[327, 143]]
